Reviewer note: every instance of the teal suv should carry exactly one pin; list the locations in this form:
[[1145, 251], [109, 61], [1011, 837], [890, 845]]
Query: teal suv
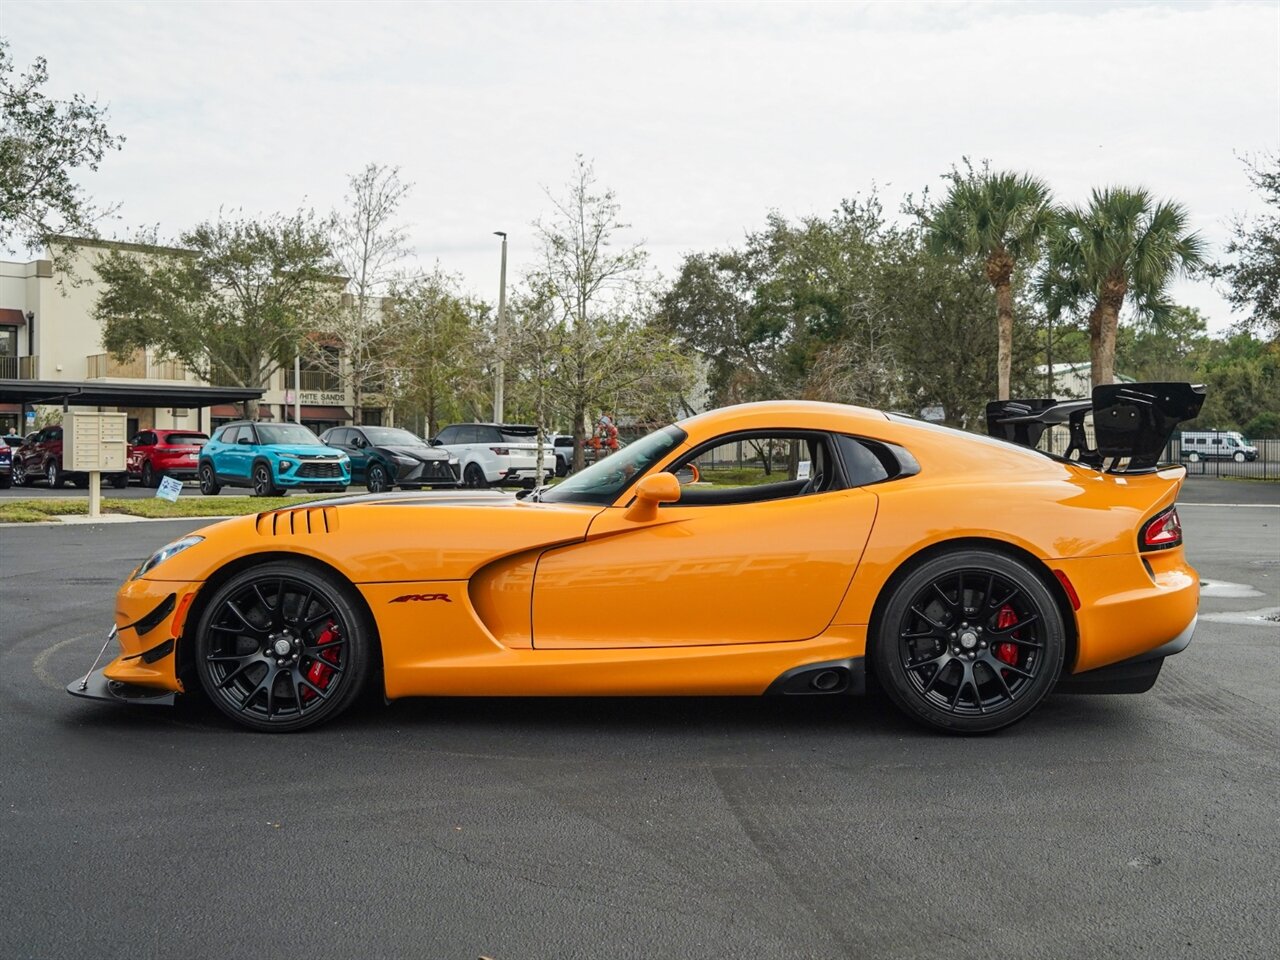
[[272, 458]]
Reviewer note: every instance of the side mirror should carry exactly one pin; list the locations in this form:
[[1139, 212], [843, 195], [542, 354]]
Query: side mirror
[[434, 441], [652, 490], [688, 474], [245, 440]]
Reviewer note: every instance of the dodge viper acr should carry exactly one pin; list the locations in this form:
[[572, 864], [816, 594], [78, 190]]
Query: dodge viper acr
[[809, 546]]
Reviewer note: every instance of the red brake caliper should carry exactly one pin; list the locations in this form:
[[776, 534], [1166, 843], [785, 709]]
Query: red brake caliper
[[320, 673], [1007, 652]]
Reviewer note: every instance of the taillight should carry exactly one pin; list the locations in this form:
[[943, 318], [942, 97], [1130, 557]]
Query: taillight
[[501, 451], [1161, 532]]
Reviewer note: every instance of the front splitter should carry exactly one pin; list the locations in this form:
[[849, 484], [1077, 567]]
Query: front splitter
[[98, 686]]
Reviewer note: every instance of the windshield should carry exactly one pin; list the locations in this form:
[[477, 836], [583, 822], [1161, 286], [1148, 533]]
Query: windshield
[[604, 481], [293, 433], [392, 437]]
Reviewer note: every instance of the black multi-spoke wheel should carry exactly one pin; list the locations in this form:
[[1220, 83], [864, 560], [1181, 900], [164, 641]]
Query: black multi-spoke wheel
[[970, 642], [376, 479], [209, 485], [282, 646], [264, 484], [474, 476]]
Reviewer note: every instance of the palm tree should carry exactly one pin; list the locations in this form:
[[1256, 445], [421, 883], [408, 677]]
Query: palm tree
[[1001, 218], [1123, 245]]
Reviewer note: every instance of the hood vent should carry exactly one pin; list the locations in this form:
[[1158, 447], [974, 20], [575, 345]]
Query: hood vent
[[299, 520]]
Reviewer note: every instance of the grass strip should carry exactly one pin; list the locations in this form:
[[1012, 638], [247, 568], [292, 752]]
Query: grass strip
[[34, 511]]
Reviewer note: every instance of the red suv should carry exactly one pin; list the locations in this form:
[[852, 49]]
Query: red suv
[[164, 453], [40, 458]]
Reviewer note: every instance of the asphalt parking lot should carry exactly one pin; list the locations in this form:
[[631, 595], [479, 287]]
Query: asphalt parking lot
[[1101, 827]]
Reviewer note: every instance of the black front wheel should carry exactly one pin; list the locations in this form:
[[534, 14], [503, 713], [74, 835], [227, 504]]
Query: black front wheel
[[969, 642], [282, 646], [474, 476], [264, 484], [53, 473], [20, 476], [376, 478]]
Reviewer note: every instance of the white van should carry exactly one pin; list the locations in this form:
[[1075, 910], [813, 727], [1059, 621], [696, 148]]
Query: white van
[[1217, 445]]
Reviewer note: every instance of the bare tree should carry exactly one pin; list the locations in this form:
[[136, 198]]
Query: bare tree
[[610, 357], [369, 245]]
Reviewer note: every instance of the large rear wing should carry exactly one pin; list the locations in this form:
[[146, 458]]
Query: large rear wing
[[1132, 422]]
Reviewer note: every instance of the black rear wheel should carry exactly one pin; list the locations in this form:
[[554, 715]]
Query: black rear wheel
[[148, 475], [282, 646], [969, 642]]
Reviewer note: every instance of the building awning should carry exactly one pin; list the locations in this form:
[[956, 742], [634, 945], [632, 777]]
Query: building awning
[[9, 317], [97, 393], [323, 413]]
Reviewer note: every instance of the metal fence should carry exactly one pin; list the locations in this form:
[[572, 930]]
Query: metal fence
[[1205, 453]]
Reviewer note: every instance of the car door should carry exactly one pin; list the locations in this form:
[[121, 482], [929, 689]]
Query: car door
[[723, 565], [236, 459], [356, 446]]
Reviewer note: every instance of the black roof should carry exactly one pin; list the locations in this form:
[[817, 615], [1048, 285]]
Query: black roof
[[95, 393]]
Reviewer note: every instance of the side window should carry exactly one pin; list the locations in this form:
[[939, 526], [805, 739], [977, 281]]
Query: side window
[[148, 439], [247, 430], [861, 465], [340, 438], [447, 435], [230, 435], [55, 433], [750, 468], [489, 435], [1217, 442]]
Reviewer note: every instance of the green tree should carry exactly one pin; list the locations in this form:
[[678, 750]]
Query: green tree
[[43, 143], [233, 299], [1252, 274], [999, 219], [436, 366], [1123, 247]]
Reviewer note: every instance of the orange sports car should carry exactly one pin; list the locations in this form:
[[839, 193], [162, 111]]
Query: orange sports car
[[784, 548]]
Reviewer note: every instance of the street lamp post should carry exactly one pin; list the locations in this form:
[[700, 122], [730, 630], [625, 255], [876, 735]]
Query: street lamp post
[[500, 371]]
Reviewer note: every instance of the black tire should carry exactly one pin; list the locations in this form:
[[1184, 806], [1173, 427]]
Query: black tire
[[242, 636], [20, 476], [120, 480], [474, 476], [149, 478], [53, 473], [209, 485], [562, 467], [376, 479], [946, 654], [264, 484]]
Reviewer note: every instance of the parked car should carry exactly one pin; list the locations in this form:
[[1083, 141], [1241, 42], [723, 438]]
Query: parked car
[[386, 457], [1217, 445], [847, 556], [7, 447], [496, 453], [40, 457], [272, 458], [154, 454]]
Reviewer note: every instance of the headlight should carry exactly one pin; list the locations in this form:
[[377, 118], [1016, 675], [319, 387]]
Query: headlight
[[164, 553], [405, 461], [453, 461], [286, 464], [343, 458]]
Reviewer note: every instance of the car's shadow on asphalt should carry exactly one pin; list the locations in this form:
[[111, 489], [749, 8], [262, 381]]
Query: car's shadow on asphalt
[[665, 717]]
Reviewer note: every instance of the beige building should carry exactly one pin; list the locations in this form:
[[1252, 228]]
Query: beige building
[[48, 332]]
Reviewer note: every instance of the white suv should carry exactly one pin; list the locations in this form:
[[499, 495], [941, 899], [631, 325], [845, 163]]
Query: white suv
[[496, 453]]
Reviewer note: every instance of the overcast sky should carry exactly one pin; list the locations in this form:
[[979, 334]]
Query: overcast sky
[[703, 117]]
